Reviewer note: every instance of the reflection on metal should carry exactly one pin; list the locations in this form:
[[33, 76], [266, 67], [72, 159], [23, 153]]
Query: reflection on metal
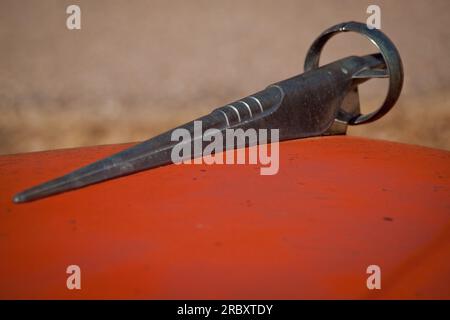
[[321, 101]]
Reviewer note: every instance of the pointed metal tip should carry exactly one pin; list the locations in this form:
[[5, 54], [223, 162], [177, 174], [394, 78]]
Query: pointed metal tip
[[19, 198]]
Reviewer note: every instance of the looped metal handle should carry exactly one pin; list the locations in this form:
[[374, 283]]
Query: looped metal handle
[[394, 68]]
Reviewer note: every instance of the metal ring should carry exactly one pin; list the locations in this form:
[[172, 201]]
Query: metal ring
[[387, 49]]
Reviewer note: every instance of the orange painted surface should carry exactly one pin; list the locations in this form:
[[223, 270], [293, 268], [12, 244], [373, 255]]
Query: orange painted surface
[[337, 205]]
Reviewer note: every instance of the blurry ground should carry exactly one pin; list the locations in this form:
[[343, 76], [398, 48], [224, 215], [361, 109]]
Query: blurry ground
[[139, 67]]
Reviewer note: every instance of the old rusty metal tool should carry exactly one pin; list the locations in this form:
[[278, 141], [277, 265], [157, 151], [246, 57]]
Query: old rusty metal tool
[[321, 101]]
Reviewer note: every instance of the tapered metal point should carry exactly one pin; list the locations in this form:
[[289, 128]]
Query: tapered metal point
[[20, 197]]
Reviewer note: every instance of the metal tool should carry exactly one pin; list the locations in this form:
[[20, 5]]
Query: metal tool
[[321, 101]]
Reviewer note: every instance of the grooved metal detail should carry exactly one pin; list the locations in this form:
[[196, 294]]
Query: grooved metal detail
[[258, 102], [235, 110], [226, 117], [248, 107]]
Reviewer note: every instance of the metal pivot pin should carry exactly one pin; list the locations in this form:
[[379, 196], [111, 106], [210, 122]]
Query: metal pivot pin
[[321, 101]]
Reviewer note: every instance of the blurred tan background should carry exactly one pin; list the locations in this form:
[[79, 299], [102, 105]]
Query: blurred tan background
[[138, 67]]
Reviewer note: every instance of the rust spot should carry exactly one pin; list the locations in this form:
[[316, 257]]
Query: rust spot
[[388, 219]]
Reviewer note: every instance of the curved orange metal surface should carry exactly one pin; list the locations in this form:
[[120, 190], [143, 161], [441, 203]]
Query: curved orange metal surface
[[337, 205]]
